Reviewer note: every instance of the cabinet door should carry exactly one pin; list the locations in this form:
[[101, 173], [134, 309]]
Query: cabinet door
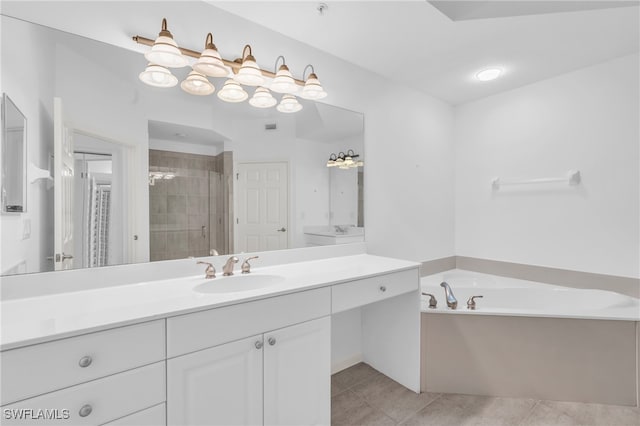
[[297, 374], [217, 386]]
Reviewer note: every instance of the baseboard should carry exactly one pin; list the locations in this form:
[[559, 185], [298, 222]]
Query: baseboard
[[345, 363]]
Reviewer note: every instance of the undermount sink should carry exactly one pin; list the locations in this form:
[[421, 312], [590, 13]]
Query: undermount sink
[[238, 283]]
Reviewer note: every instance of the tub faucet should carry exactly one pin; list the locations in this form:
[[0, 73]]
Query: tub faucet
[[227, 269], [452, 302]]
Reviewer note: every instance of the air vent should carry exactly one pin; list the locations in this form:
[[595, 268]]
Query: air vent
[[270, 126]]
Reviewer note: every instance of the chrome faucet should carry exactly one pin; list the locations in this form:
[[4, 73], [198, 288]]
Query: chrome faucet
[[210, 272], [227, 269], [452, 302], [246, 267]]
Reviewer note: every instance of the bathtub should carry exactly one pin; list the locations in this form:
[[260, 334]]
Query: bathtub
[[514, 297], [530, 340]]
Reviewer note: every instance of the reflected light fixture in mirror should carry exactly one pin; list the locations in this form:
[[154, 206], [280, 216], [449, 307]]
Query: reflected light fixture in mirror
[[262, 98], [232, 91], [289, 104], [312, 89], [249, 73], [197, 84], [165, 51], [345, 161], [210, 62], [283, 81], [158, 76]]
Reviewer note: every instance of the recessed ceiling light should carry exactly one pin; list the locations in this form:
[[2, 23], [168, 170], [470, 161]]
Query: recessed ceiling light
[[489, 74]]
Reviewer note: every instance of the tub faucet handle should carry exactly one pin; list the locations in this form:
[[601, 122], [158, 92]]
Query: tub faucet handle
[[433, 303], [471, 303]]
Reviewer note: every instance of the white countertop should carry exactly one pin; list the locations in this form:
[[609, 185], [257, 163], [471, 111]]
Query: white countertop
[[39, 319]]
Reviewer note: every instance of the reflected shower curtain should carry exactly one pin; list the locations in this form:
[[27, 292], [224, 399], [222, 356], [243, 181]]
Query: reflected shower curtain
[[99, 215]]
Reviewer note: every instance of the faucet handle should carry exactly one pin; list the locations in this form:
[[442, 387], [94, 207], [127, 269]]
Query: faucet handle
[[246, 267], [210, 271], [471, 303], [433, 303]]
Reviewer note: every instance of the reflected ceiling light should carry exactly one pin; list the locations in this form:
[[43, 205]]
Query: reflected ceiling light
[[249, 73], [283, 81], [345, 161], [210, 63], [232, 92], [197, 84], [165, 51], [289, 104], [158, 76], [488, 74], [312, 89], [262, 98]]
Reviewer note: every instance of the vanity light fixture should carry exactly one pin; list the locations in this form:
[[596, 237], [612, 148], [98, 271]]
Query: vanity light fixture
[[165, 51], [245, 71], [312, 89], [159, 175], [249, 73], [345, 161], [210, 62], [232, 92], [289, 104], [283, 81], [158, 76], [197, 84], [262, 98], [488, 74]]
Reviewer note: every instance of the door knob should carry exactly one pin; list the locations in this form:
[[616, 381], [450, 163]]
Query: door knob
[[283, 229]]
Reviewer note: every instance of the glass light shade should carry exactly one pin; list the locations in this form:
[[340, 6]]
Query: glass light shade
[[165, 52], [331, 163], [348, 160], [312, 88], [232, 92], [249, 73], [197, 84], [283, 81], [210, 63], [158, 76], [262, 98], [289, 104]]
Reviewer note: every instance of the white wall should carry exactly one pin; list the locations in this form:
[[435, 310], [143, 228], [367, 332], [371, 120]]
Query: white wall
[[586, 120]]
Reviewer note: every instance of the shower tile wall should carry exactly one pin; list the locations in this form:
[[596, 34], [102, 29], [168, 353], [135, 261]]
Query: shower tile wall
[[179, 208]]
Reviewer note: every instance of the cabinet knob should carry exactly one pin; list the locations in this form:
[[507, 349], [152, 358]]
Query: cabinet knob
[[383, 288], [272, 341], [85, 361], [258, 344], [85, 410]]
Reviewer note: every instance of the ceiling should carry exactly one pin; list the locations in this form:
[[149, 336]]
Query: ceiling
[[410, 42], [414, 43]]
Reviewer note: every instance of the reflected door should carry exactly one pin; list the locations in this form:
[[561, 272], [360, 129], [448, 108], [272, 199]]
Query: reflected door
[[63, 189], [263, 206]]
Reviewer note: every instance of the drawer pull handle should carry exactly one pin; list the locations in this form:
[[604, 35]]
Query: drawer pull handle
[[259, 344], [85, 361], [85, 410], [383, 288], [272, 341]]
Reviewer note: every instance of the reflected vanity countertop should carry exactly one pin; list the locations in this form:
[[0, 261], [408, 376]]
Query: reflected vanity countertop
[[39, 319], [331, 231]]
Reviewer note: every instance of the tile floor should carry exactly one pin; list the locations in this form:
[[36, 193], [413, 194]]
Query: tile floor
[[361, 395]]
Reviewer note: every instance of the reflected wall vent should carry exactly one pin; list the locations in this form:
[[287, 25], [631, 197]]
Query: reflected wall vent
[[270, 126]]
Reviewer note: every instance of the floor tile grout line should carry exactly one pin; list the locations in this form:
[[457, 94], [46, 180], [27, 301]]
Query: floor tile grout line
[[530, 412], [420, 409]]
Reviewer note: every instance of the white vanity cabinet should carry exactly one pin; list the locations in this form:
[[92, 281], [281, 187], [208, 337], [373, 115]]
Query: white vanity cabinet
[[275, 376]]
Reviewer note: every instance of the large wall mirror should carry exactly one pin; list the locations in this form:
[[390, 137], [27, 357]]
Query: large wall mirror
[[137, 173]]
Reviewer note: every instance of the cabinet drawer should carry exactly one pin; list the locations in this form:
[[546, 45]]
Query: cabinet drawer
[[37, 369], [100, 400], [362, 292], [200, 330], [154, 416]]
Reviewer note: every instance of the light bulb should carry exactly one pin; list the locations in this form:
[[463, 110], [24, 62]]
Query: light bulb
[[158, 76]]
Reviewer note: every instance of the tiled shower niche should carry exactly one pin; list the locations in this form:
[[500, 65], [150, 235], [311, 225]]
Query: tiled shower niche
[[189, 204]]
